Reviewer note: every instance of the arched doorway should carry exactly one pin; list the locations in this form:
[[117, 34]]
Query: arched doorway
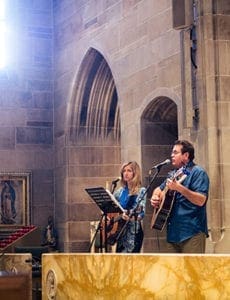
[[159, 130]]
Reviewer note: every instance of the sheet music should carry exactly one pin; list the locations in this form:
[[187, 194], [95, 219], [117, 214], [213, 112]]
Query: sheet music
[[115, 200], [105, 200]]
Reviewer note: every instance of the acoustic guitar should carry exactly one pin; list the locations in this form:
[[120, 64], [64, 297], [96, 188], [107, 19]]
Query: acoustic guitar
[[115, 227], [161, 214]]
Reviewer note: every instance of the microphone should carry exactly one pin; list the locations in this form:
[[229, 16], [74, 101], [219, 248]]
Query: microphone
[[163, 163], [116, 180]]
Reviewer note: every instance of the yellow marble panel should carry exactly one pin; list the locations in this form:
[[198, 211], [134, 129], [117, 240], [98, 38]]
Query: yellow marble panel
[[135, 277]]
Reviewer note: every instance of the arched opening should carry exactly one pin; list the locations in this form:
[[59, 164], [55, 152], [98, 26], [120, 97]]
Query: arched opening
[[159, 130], [93, 145], [95, 113]]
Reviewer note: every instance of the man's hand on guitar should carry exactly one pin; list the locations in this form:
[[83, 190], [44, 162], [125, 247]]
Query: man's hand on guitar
[[173, 184], [155, 200]]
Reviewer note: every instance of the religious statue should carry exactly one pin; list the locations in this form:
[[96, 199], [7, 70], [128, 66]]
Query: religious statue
[[49, 235]]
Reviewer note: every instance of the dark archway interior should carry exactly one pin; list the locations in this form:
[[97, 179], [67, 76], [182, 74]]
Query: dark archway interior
[[158, 131]]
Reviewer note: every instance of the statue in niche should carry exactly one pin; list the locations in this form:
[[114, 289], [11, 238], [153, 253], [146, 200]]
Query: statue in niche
[[50, 236], [8, 197]]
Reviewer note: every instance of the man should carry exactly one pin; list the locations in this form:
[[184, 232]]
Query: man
[[187, 223]]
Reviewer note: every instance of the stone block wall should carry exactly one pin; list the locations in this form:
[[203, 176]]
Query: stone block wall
[[26, 101], [148, 60], [48, 44]]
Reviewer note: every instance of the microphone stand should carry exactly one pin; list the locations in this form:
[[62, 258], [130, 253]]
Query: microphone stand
[[158, 168], [99, 228]]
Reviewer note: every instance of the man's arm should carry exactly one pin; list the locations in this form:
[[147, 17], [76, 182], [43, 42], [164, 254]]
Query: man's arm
[[194, 197]]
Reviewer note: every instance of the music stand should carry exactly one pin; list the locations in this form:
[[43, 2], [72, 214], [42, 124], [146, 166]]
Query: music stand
[[107, 204]]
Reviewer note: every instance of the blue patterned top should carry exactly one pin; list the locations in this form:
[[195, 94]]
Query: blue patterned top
[[132, 238]]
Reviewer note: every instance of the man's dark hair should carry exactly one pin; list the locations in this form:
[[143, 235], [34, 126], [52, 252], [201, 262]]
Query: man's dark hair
[[186, 147]]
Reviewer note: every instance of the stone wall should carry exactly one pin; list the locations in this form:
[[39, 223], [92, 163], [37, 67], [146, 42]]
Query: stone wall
[[26, 101], [59, 57], [130, 36], [149, 60]]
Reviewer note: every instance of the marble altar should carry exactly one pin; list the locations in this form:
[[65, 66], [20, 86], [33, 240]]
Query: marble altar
[[135, 277]]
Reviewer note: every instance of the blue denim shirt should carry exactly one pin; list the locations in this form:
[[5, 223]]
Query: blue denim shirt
[[187, 219], [130, 202]]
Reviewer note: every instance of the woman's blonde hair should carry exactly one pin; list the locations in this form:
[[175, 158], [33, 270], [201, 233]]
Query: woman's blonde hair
[[135, 183]]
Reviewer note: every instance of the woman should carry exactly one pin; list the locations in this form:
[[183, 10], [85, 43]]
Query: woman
[[132, 198]]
